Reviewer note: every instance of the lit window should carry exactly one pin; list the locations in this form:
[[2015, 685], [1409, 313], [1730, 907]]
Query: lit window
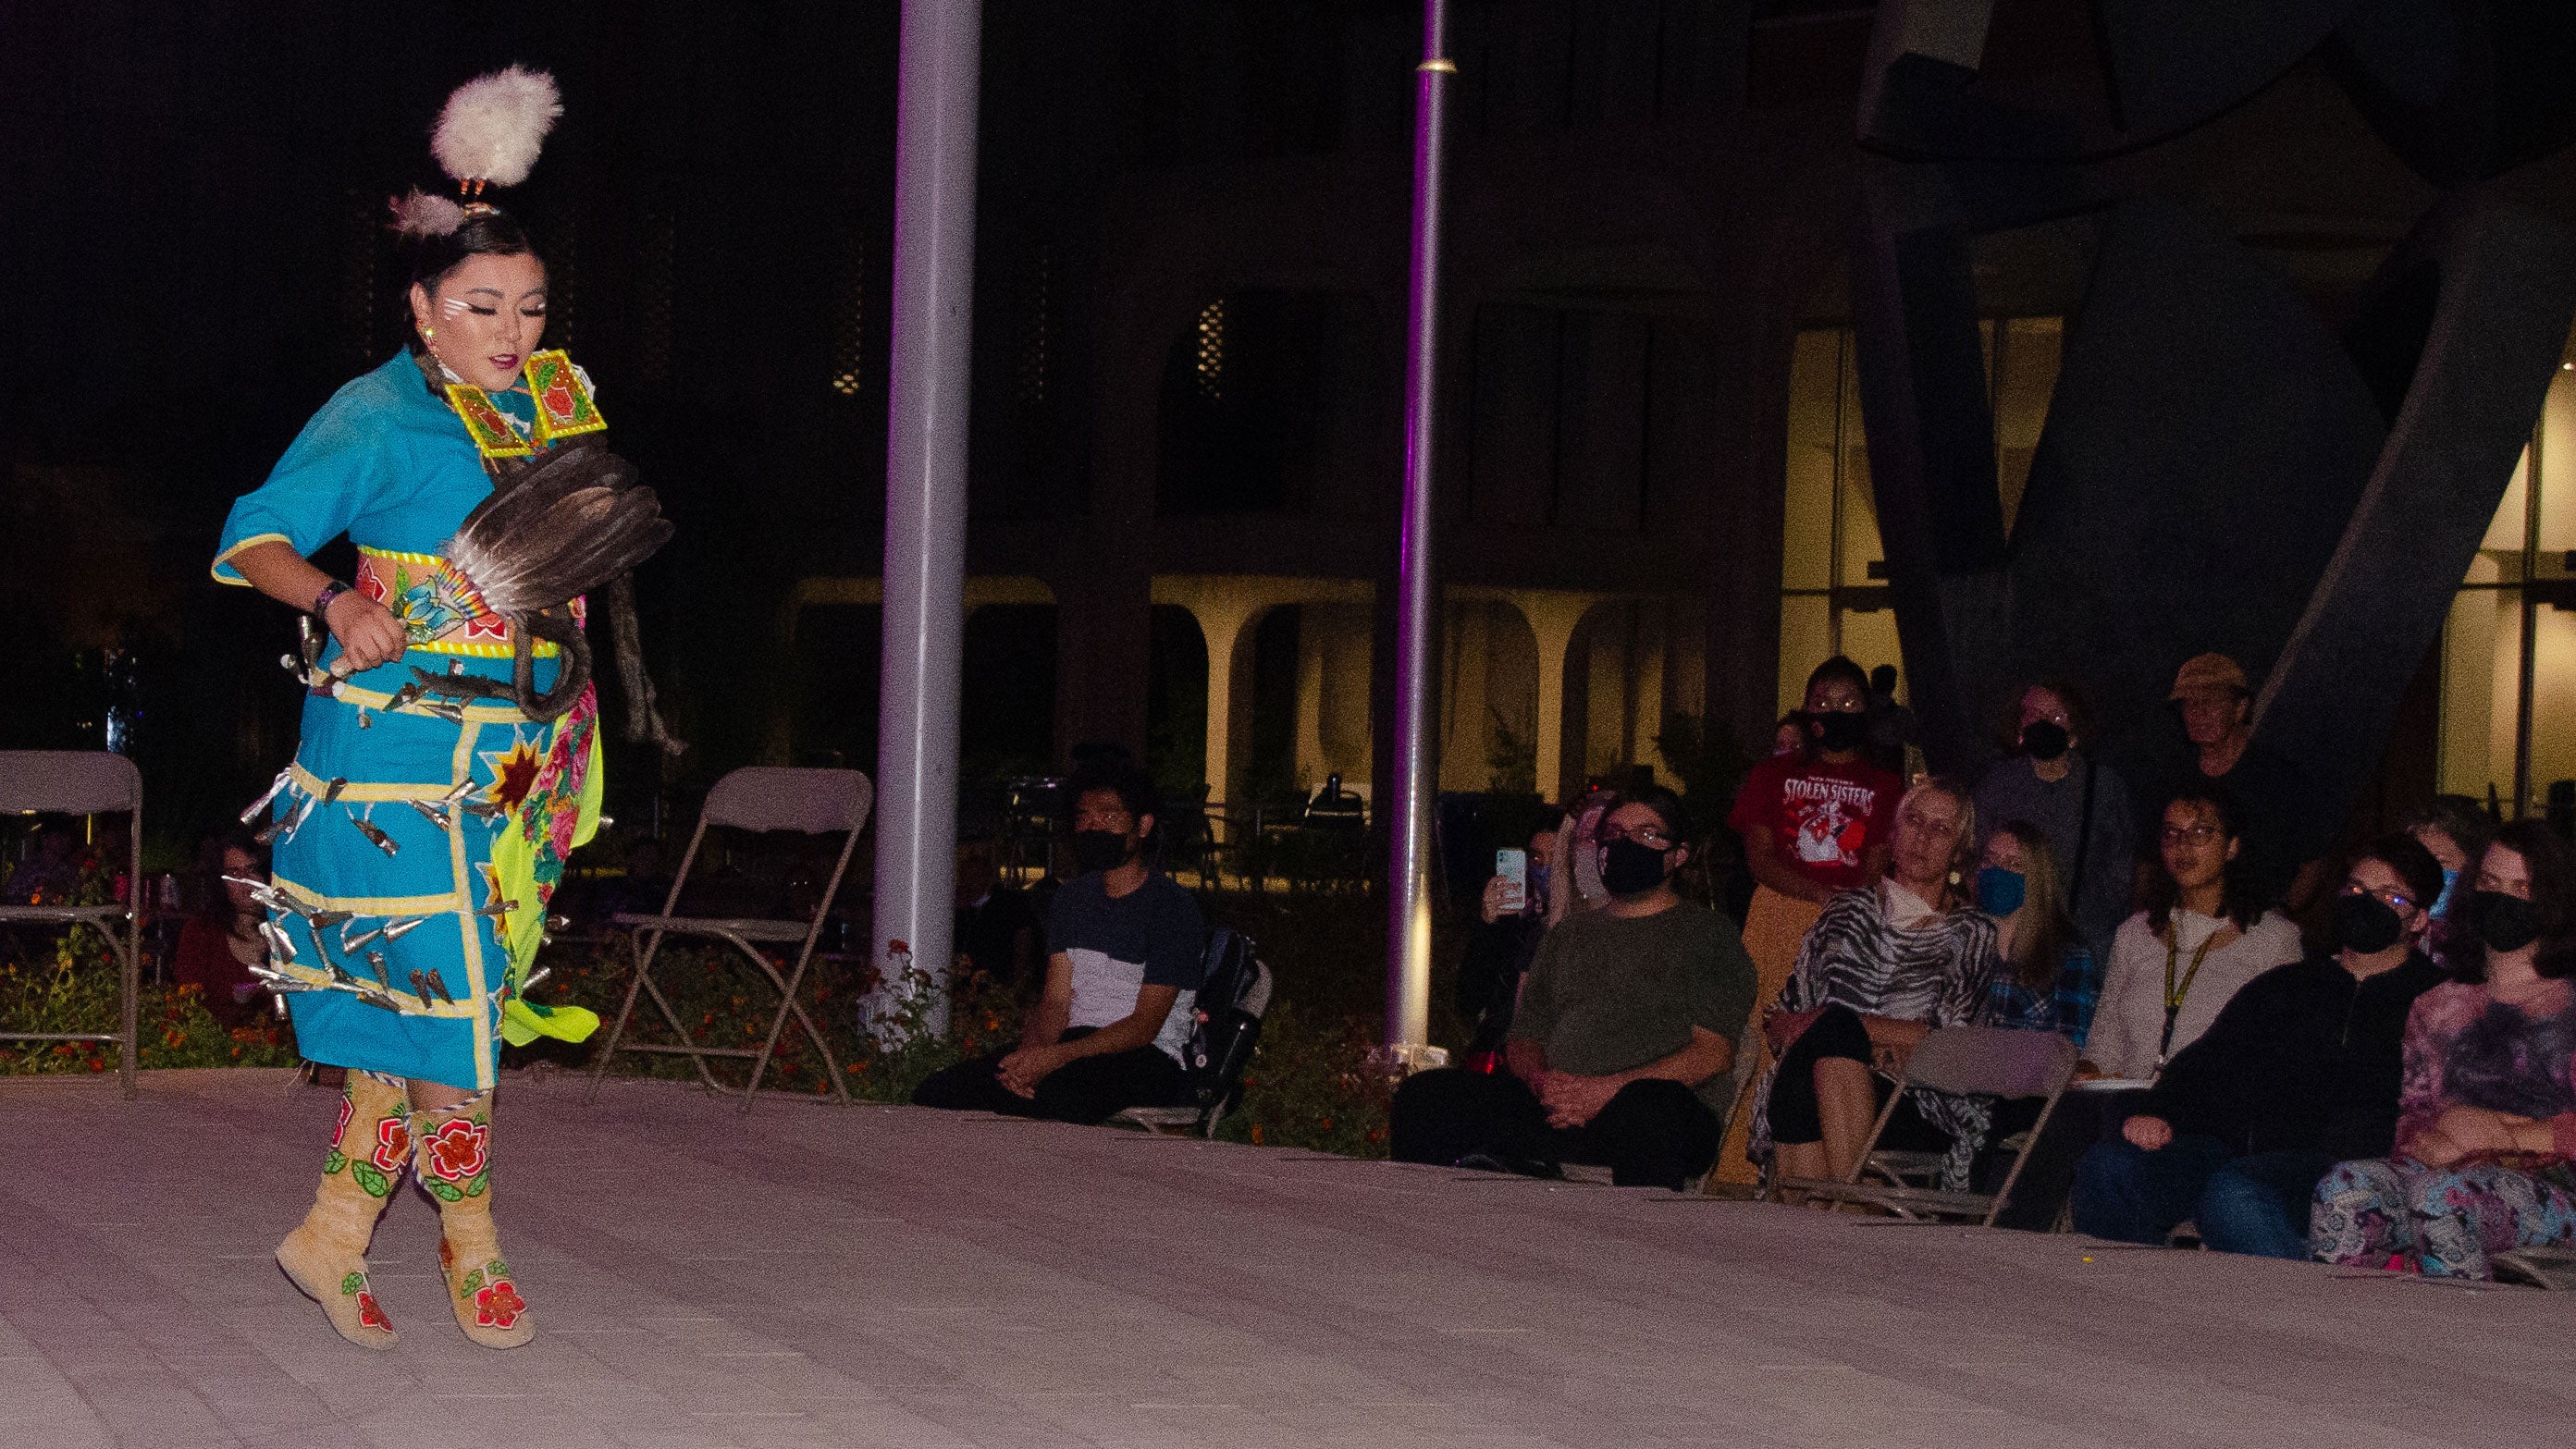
[[1211, 349], [850, 318], [2508, 700]]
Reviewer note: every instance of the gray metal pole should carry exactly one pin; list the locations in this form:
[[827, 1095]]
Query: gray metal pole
[[1408, 935], [925, 529]]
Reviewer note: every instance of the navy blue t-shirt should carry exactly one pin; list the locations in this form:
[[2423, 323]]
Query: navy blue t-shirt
[[1151, 936]]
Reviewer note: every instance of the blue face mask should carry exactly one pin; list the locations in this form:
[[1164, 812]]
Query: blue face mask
[[2442, 902], [1999, 891]]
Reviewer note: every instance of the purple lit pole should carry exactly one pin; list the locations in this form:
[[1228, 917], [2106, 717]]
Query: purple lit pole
[[925, 528], [1408, 933]]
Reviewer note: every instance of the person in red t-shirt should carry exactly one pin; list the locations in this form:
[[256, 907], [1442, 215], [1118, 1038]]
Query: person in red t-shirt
[[220, 942], [1814, 822]]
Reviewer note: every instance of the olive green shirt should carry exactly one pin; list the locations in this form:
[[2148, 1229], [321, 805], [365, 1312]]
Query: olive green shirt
[[1607, 994]]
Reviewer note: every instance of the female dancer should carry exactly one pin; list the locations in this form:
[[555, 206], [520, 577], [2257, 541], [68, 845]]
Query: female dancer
[[419, 833]]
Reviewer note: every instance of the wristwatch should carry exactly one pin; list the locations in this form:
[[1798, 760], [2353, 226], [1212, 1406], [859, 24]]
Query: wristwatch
[[322, 600]]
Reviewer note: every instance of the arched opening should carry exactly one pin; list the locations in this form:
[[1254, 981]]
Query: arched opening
[[1489, 700]]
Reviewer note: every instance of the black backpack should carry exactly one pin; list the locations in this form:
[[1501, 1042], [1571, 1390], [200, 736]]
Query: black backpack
[[1225, 1024]]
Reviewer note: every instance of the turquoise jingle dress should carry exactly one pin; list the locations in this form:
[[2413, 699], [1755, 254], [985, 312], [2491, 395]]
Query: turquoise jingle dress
[[447, 837]]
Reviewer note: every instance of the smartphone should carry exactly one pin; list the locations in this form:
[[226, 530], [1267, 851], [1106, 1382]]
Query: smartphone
[[1513, 867]]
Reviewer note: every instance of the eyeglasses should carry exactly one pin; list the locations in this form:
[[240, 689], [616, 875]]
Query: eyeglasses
[[2396, 899], [1645, 835], [2190, 834]]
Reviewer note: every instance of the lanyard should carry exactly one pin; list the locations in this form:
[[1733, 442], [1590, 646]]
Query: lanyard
[[2174, 994]]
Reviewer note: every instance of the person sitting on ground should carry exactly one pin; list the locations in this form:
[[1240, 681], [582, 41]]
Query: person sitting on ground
[[2456, 829], [1620, 1052], [2049, 980], [2486, 1125], [2284, 838], [1884, 965], [1813, 823], [1126, 952], [2080, 805], [221, 940], [1501, 947], [2203, 935], [2299, 1072]]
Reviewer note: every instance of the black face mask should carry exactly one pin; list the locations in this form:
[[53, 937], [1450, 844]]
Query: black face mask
[[1629, 868], [2045, 739], [2365, 924], [2505, 923], [1839, 730], [1096, 850]]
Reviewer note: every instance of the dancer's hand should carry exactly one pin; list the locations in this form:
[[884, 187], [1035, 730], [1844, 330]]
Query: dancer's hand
[[368, 635]]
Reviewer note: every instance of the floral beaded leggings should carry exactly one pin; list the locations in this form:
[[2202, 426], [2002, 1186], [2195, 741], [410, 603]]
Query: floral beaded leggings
[[2447, 1219]]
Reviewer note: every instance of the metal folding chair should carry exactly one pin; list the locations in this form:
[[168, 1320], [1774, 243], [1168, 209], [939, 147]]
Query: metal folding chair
[[85, 782], [1964, 1061], [755, 799]]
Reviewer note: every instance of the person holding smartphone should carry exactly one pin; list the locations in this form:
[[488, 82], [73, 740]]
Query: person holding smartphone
[[1511, 919]]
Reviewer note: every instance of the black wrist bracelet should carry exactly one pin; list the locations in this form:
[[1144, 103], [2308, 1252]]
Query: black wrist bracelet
[[322, 600]]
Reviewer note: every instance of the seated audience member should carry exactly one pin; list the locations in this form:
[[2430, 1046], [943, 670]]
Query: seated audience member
[[2283, 837], [2486, 1124], [1500, 948], [997, 930], [1883, 966], [1789, 736], [1126, 952], [50, 877], [2300, 1071], [1813, 823], [2456, 829], [221, 941], [2203, 935], [2048, 980], [2079, 804], [1620, 1050]]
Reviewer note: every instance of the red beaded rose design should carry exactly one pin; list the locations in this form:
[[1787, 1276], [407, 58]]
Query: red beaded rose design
[[371, 1315], [456, 1149], [340, 1130], [498, 1306], [393, 1144]]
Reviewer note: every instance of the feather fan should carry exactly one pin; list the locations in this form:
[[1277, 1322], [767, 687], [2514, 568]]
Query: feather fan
[[567, 524], [494, 125]]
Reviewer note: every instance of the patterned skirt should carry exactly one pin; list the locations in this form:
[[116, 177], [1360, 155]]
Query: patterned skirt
[[419, 853]]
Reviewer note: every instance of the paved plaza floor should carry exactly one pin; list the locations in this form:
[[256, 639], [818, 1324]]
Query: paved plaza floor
[[874, 1276]]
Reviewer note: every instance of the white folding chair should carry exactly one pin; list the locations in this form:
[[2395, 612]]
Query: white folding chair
[[755, 799], [85, 782], [1965, 1061]]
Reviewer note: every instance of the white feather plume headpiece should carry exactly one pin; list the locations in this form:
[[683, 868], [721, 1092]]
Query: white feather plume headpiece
[[422, 214], [493, 127]]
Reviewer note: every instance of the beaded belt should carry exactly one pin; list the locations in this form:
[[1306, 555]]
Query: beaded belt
[[438, 609]]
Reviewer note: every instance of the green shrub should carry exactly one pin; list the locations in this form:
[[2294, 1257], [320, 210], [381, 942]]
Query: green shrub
[[77, 992]]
